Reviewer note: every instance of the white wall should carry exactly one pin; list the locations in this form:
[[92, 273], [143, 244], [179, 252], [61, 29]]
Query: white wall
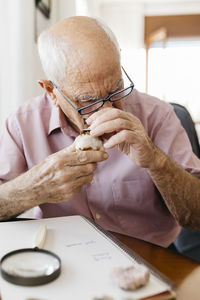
[[126, 21], [66, 8], [20, 65], [172, 7]]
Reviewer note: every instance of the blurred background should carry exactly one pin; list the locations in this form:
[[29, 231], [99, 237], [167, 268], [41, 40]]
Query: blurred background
[[160, 42]]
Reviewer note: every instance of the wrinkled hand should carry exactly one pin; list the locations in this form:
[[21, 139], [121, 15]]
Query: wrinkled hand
[[126, 132], [61, 175]]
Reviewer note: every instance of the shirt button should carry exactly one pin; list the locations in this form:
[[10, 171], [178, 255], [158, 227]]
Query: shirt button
[[98, 216]]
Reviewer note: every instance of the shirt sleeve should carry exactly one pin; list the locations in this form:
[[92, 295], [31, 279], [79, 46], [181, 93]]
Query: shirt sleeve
[[172, 139], [12, 160]]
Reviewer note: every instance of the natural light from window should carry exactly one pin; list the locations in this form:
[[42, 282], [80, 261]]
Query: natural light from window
[[174, 74]]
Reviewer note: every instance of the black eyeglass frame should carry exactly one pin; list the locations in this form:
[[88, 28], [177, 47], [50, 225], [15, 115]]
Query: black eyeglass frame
[[79, 110]]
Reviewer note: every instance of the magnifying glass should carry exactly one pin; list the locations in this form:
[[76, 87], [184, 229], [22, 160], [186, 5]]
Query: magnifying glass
[[31, 266]]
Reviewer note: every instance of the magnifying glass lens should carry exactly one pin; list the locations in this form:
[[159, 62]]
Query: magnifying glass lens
[[30, 267], [30, 264]]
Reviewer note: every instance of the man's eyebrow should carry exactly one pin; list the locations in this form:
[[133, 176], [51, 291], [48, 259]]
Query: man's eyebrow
[[87, 97]]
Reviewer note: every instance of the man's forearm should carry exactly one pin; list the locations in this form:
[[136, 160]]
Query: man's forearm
[[14, 199], [179, 189]]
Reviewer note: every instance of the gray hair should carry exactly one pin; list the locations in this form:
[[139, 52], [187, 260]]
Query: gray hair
[[52, 52]]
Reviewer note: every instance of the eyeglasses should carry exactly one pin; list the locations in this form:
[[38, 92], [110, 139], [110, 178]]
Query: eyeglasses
[[84, 110]]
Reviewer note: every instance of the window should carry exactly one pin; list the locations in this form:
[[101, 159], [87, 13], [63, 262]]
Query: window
[[174, 73], [173, 60]]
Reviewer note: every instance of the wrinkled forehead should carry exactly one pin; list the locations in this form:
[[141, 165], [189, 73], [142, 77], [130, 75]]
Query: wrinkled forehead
[[92, 70], [91, 66], [93, 80]]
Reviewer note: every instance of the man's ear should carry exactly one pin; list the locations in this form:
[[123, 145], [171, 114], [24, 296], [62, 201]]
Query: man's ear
[[48, 87]]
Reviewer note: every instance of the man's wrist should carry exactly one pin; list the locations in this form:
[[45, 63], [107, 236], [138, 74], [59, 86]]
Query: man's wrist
[[158, 161]]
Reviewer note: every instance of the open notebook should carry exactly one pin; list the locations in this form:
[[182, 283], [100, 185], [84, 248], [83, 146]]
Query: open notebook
[[88, 255]]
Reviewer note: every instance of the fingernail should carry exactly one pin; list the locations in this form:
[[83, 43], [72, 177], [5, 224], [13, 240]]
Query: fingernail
[[105, 155], [93, 132], [89, 120], [107, 144], [82, 159], [92, 126]]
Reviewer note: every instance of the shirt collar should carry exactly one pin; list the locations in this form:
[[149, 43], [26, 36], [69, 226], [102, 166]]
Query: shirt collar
[[59, 121]]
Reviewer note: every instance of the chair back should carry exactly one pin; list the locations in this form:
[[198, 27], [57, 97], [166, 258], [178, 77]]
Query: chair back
[[188, 241], [188, 124]]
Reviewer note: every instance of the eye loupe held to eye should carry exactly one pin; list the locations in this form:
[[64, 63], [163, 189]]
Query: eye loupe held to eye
[[31, 266]]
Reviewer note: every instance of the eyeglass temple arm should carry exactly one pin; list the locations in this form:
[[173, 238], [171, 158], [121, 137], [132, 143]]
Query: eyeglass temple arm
[[127, 74], [56, 87]]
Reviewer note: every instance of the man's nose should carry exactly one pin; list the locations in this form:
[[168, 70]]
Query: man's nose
[[107, 104]]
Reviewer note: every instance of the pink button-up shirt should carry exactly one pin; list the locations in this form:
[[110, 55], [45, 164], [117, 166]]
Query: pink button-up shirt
[[122, 197]]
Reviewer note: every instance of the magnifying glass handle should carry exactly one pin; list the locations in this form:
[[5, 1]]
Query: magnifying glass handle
[[40, 237]]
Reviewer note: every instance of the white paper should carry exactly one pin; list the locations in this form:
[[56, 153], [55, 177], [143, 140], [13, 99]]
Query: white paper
[[87, 258]]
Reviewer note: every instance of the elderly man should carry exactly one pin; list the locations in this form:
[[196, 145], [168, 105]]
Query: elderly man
[[143, 185]]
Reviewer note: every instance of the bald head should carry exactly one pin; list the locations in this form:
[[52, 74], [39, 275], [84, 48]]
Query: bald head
[[84, 30], [78, 42]]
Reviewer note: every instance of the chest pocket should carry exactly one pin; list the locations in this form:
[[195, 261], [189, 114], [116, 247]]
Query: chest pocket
[[134, 205]]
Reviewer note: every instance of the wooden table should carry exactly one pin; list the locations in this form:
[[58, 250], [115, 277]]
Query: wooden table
[[181, 270]]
